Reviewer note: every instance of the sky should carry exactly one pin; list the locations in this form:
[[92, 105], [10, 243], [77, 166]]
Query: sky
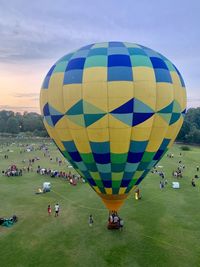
[[35, 34]]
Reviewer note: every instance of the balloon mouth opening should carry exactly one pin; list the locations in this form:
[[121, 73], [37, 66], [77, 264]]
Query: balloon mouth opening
[[113, 202]]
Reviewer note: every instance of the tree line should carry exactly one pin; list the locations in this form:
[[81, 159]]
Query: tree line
[[190, 131], [28, 122], [31, 122]]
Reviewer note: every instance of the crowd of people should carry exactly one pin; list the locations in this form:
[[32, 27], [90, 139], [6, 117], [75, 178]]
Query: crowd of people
[[177, 173], [114, 221]]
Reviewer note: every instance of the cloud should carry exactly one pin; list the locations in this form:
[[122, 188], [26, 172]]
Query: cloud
[[193, 99], [26, 95], [18, 108], [193, 102], [30, 34]]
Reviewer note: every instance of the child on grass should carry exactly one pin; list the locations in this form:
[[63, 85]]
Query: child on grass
[[49, 209]]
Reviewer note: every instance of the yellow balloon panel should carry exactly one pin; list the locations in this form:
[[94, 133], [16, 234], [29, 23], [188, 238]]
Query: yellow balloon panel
[[62, 124], [164, 95], [72, 91], [119, 147], [71, 95], [98, 134], [89, 74], [158, 132], [82, 143], [145, 91], [173, 129], [64, 134], [120, 89], [54, 136], [180, 96], [184, 100], [119, 140], [143, 74], [56, 100], [120, 135], [156, 138], [43, 99], [175, 79], [94, 89], [142, 131]]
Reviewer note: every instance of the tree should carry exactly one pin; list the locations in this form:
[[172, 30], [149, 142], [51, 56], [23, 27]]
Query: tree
[[2, 125], [184, 131], [190, 131], [12, 125], [4, 114]]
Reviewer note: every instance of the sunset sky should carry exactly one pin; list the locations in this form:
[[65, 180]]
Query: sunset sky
[[34, 34]]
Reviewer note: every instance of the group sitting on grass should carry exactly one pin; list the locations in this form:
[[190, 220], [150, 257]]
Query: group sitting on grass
[[72, 178], [8, 222], [12, 171]]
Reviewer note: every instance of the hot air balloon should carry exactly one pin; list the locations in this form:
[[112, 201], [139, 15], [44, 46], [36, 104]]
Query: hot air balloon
[[113, 109]]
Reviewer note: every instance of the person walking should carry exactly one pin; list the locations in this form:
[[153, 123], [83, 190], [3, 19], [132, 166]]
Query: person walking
[[57, 209]]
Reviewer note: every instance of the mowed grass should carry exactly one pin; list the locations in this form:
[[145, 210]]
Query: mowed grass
[[162, 229]]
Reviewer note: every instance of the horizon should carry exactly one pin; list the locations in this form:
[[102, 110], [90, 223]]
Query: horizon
[[36, 35], [39, 113]]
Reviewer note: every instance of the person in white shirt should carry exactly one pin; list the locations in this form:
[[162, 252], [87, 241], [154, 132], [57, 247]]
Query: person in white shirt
[[121, 224], [116, 219], [57, 209]]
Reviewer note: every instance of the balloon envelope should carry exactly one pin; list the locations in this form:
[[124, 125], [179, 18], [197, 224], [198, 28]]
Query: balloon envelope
[[113, 109]]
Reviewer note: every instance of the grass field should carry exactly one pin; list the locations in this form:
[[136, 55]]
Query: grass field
[[162, 229]]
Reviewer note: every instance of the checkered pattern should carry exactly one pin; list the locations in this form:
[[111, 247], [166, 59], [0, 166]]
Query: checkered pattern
[[113, 110]]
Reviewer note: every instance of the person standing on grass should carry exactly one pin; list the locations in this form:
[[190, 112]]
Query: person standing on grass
[[90, 221], [121, 224], [57, 209], [49, 209], [193, 182]]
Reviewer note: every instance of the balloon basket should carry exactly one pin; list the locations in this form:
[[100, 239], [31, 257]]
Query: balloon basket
[[113, 226]]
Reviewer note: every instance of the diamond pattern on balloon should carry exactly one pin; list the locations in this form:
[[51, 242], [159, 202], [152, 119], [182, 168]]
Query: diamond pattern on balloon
[[51, 115]]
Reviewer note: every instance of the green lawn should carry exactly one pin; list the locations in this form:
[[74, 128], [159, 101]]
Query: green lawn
[[162, 229]]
